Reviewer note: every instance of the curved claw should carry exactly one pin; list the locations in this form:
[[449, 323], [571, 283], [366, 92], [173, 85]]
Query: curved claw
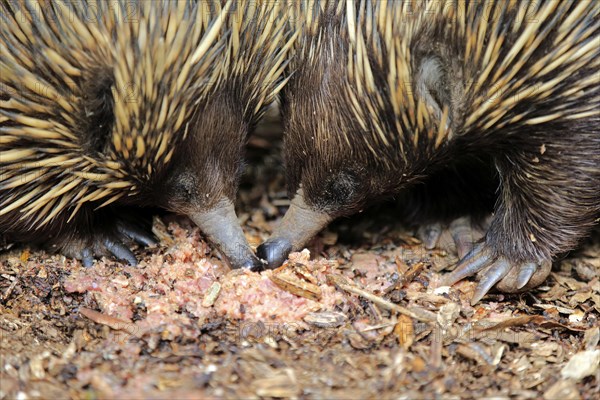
[[134, 233], [430, 235], [462, 232], [477, 259], [525, 274], [490, 276], [120, 251], [108, 234], [87, 258]]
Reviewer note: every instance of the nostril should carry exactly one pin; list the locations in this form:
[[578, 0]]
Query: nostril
[[274, 252]]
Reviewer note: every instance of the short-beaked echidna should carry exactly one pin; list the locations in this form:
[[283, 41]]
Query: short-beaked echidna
[[384, 94], [130, 103]]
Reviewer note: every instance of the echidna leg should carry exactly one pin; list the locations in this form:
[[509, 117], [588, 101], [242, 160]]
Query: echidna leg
[[549, 200], [454, 203]]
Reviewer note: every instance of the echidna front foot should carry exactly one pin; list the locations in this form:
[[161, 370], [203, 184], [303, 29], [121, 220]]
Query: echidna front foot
[[497, 270], [108, 241], [87, 250]]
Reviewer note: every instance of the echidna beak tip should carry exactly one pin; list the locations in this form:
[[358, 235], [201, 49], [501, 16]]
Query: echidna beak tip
[[274, 252], [253, 264]]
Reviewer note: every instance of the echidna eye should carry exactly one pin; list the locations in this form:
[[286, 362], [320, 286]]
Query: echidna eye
[[340, 188], [98, 116], [186, 186]]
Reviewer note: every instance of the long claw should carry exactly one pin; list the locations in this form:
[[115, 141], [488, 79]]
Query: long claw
[[525, 274], [490, 277], [462, 234], [137, 234], [477, 259], [120, 251], [430, 235], [87, 258]]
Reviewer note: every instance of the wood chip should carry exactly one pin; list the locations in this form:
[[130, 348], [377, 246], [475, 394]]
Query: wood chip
[[581, 365], [406, 277], [290, 282], [475, 352], [211, 295], [447, 315], [303, 272], [411, 274], [326, 319], [24, 255], [563, 390], [591, 338], [435, 352], [405, 332], [516, 321]]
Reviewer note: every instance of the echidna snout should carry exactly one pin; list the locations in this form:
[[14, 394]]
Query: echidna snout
[[299, 224], [221, 226]]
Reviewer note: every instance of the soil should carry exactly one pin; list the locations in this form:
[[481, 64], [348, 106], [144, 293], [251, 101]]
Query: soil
[[357, 315]]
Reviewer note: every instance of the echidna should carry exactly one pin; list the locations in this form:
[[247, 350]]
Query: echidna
[[384, 94], [130, 103]]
